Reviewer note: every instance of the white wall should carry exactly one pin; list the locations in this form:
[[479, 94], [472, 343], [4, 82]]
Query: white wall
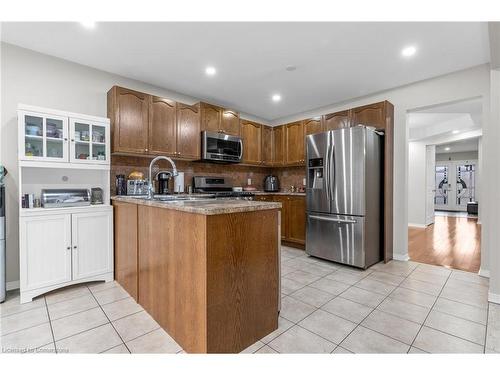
[[452, 156], [466, 84], [32, 78], [417, 184]]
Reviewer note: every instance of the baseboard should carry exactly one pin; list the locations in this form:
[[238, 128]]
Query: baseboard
[[417, 225], [402, 257], [484, 273], [495, 298], [12, 285]]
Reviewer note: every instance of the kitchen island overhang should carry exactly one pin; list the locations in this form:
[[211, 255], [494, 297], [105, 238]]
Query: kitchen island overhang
[[206, 271]]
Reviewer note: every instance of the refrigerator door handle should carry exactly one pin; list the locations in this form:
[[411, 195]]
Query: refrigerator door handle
[[346, 221], [326, 170]]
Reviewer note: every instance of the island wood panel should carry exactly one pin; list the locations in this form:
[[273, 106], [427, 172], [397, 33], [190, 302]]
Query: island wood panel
[[128, 111], [125, 246], [242, 279], [162, 126], [172, 273]]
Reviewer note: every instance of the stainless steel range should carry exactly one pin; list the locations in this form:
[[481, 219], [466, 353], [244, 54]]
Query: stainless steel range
[[221, 187]]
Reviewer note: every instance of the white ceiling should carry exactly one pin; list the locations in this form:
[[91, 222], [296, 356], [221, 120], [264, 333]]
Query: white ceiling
[[470, 144], [335, 61]]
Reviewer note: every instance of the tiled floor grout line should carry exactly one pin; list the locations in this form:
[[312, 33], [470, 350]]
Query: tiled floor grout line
[[50, 324], [430, 310], [109, 320], [486, 330]]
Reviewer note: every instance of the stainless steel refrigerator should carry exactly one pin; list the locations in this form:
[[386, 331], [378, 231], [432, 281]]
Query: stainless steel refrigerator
[[344, 196]]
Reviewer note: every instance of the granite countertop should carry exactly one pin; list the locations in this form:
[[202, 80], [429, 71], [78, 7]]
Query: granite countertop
[[204, 207], [259, 192]]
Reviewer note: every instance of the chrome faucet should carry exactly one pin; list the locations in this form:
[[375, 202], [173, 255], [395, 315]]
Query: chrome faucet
[[151, 189]]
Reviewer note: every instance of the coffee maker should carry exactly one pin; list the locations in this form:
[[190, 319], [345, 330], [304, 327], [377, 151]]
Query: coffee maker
[[162, 178]]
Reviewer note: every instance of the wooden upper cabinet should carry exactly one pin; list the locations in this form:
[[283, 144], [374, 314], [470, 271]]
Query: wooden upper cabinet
[[370, 115], [188, 131], [337, 120], [295, 154], [313, 126], [230, 122], [210, 117], [296, 219], [267, 145], [162, 126], [279, 145], [251, 135], [129, 114]]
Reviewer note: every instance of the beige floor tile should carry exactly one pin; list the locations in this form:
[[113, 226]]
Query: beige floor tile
[[468, 287], [157, 341], [12, 304], [395, 267], [297, 263], [135, 325], [27, 339], [121, 308], [341, 350], [493, 330], [386, 278], [95, 340], [375, 286], [469, 277], [434, 270], [303, 277], [292, 252], [47, 349], [414, 350], [330, 286], [421, 286], [412, 296], [364, 340], [283, 325], [319, 269], [110, 295], [365, 297], [312, 296], [469, 297], [428, 277], [328, 326], [299, 340], [76, 323], [23, 320], [120, 349], [294, 310], [346, 277], [64, 308], [266, 350], [286, 270], [404, 310], [253, 348], [347, 309], [461, 310], [288, 286], [459, 327], [392, 326], [101, 285], [67, 293], [433, 341]]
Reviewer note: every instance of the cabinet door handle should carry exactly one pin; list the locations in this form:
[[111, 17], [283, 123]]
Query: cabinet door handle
[[74, 247], [72, 140], [65, 139]]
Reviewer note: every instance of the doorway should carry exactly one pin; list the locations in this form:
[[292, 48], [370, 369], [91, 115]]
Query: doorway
[[444, 176]]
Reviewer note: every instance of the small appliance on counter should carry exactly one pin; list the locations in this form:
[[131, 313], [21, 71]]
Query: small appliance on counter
[[271, 184], [96, 196], [179, 183], [162, 177], [121, 184], [52, 198], [137, 184]]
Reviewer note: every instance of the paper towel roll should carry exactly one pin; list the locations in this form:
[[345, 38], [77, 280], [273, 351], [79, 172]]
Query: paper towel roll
[[179, 183]]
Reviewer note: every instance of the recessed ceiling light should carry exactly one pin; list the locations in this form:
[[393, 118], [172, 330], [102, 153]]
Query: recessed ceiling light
[[291, 68], [447, 149], [455, 132], [210, 71], [88, 24], [276, 97], [409, 51]]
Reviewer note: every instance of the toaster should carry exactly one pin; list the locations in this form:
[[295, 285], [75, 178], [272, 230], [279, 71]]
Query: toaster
[[65, 197]]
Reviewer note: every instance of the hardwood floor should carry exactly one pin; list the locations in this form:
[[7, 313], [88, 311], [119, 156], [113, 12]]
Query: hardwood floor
[[453, 242]]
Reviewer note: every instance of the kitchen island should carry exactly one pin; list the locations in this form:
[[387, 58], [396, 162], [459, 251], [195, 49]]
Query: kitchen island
[[207, 271]]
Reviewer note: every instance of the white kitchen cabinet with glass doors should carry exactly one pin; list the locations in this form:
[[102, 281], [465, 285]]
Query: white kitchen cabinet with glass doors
[[47, 135]]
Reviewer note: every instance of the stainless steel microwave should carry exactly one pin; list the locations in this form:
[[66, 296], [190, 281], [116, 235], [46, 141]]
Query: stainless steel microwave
[[220, 147]]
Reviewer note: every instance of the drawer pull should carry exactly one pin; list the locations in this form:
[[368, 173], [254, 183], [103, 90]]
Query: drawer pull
[[345, 221]]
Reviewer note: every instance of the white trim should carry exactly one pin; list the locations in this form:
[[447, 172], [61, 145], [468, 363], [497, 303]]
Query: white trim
[[484, 273], [65, 165], [492, 297], [402, 257], [50, 111], [12, 285], [417, 225]]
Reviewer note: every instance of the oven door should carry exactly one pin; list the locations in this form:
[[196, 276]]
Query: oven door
[[221, 147]]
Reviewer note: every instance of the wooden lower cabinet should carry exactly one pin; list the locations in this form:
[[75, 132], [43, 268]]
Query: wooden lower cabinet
[[293, 217]]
